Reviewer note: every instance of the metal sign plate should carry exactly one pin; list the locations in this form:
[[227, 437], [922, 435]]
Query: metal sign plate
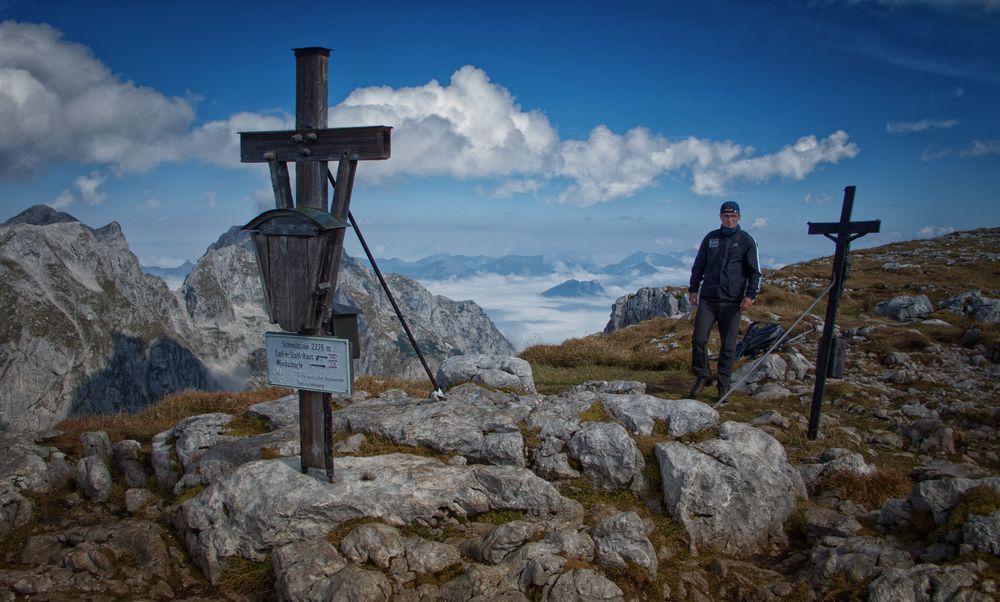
[[312, 363]]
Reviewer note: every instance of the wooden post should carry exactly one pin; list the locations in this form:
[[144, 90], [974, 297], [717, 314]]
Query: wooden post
[[845, 231], [311, 85]]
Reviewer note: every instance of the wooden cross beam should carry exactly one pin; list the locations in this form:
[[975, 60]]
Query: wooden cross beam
[[310, 146], [842, 233]]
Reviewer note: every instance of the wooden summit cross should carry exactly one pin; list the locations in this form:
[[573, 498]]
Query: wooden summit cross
[[310, 146], [842, 233]]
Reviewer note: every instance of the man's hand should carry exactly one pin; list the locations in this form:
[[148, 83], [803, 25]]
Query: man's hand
[[693, 298], [745, 305]]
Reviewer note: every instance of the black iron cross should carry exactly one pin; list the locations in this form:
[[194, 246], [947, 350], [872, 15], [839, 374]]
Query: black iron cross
[[842, 233]]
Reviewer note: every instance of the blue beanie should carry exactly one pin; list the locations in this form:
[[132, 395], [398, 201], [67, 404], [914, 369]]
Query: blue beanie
[[729, 206]]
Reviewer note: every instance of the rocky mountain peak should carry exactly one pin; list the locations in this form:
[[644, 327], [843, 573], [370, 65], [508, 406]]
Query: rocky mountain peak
[[40, 215]]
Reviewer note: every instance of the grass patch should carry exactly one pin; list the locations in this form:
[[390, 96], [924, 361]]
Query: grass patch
[[247, 578], [189, 494], [630, 348], [246, 426], [375, 386], [441, 577], [871, 491], [596, 413], [500, 517], [380, 445], [344, 528], [981, 500], [161, 416]]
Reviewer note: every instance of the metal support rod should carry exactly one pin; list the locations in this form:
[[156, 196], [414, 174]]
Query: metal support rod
[[838, 276], [388, 293], [328, 437]]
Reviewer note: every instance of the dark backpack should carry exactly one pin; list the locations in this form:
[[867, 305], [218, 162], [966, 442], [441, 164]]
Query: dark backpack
[[759, 338]]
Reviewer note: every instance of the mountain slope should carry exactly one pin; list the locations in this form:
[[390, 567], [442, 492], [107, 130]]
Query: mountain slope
[[87, 331]]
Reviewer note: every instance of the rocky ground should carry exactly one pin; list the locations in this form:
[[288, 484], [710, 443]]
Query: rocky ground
[[600, 492]]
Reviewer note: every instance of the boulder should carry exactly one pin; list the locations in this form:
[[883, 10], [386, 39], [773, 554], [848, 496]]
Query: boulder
[[479, 424], [608, 457], [982, 533], [93, 477], [940, 496], [95, 443], [855, 559], [493, 371], [585, 585], [125, 458], [270, 503], [640, 412], [732, 493], [645, 304], [926, 582], [623, 538], [972, 303], [905, 308], [301, 566]]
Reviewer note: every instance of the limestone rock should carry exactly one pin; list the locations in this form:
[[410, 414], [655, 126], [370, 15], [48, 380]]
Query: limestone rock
[[982, 533], [608, 456], [645, 304], [93, 477], [926, 582], [494, 371], [905, 308], [972, 303], [230, 517], [855, 558], [639, 412], [301, 566], [623, 538], [732, 493], [585, 585]]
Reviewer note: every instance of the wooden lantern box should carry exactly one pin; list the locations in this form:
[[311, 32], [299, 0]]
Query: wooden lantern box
[[294, 250]]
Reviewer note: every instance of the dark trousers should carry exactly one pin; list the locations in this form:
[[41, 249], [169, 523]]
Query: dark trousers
[[727, 314]]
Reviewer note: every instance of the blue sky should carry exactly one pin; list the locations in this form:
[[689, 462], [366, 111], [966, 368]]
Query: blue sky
[[578, 129]]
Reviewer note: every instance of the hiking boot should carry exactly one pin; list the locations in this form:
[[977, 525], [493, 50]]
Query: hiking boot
[[723, 390], [699, 385]]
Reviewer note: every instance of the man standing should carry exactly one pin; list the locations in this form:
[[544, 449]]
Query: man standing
[[725, 280]]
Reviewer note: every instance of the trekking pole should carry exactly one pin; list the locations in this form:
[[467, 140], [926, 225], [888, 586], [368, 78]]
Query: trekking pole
[[437, 393], [732, 387]]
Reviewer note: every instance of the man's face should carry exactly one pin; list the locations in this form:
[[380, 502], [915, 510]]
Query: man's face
[[729, 219]]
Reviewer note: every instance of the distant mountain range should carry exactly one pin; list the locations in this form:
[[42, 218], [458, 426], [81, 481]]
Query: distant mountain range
[[443, 266], [174, 277]]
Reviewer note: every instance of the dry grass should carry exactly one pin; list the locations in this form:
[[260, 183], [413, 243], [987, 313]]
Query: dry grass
[[248, 579], [161, 416], [375, 386], [871, 491], [629, 348]]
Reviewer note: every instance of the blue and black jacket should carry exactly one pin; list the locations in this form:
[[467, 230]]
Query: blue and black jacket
[[726, 268]]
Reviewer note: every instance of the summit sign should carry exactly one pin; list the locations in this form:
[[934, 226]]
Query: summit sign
[[312, 363]]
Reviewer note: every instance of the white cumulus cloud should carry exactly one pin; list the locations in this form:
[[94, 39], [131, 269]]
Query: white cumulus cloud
[[86, 189], [910, 127], [979, 148], [932, 231], [58, 103]]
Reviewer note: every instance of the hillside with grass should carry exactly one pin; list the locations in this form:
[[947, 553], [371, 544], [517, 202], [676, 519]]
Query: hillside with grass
[[898, 498]]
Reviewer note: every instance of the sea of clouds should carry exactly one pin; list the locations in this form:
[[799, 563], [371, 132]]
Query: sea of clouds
[[526, 317]]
